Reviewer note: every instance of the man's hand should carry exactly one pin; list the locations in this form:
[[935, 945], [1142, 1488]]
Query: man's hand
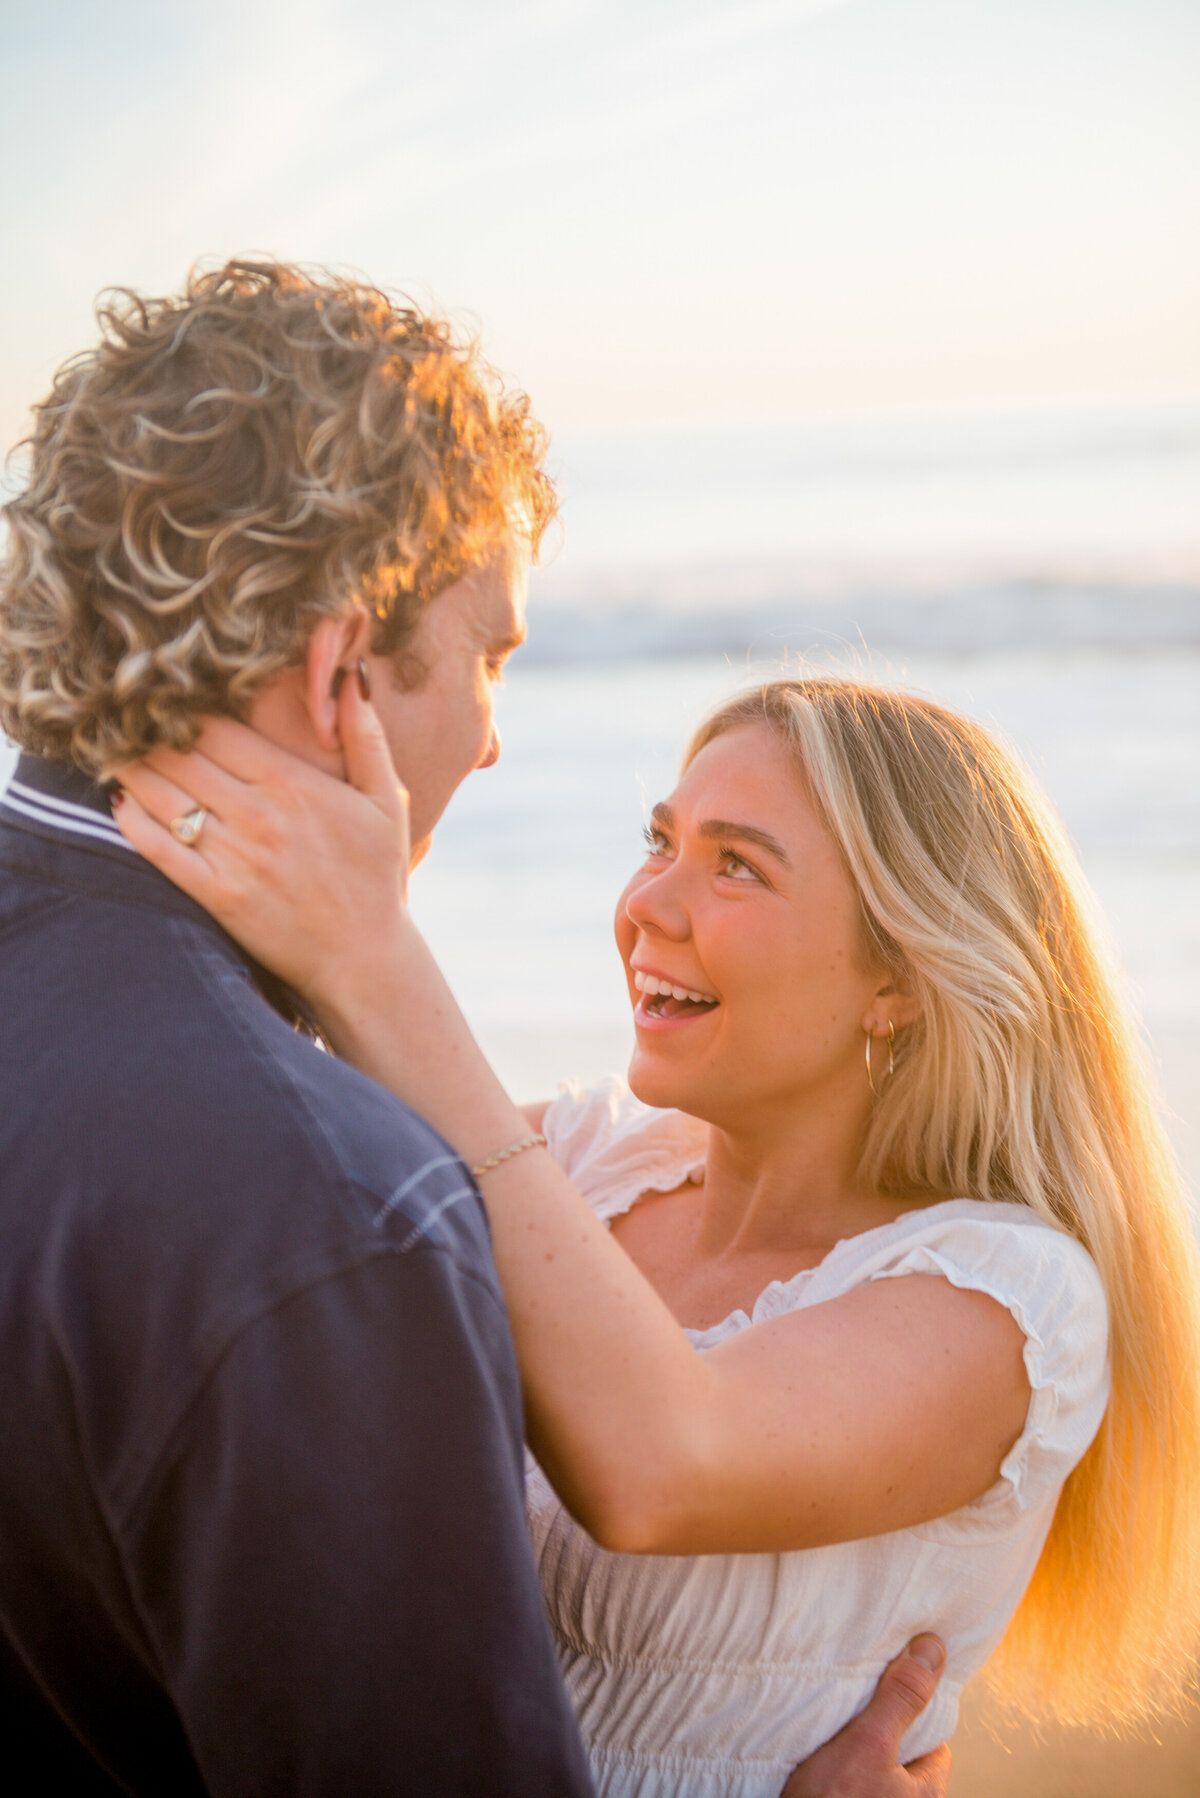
[[861, 1760]]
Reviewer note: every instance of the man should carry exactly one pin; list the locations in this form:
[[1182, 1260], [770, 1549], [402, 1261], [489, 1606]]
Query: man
[[260, 1506]]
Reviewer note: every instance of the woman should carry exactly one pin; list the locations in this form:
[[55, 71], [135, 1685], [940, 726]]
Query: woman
[[890, 1165]]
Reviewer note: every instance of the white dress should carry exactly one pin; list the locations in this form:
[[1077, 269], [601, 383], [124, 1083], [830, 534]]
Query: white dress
[[710, 1676]]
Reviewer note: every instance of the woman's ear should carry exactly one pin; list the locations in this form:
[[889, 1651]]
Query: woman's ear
[[333, 649], [893, 1006]]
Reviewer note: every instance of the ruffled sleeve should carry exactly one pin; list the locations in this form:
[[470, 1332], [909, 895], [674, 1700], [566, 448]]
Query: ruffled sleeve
[[613, 1148], [1049, 1283]]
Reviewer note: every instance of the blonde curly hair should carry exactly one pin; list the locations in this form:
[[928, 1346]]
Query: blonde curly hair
[[225, 468]]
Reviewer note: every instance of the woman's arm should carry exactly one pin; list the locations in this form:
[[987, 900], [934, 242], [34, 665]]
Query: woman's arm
[[886, 1407]]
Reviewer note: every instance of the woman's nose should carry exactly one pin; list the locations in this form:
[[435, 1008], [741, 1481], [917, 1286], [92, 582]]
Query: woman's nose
[[656, 903]]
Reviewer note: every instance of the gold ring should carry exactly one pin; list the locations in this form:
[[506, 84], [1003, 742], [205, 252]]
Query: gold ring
[[186, 829]]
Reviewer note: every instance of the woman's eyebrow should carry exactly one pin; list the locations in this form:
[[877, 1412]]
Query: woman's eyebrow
[[725, 827], [747, 833]]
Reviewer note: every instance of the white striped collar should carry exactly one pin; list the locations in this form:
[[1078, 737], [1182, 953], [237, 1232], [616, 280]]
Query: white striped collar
[[30, 794]]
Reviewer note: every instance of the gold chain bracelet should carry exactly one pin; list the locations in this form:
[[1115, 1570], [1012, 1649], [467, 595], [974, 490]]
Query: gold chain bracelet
[[514, 1148]]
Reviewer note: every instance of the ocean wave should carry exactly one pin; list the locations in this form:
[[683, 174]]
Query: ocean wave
[[636, 618]]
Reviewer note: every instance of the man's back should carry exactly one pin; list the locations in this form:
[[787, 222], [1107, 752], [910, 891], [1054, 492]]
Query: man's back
[[261, 1519]]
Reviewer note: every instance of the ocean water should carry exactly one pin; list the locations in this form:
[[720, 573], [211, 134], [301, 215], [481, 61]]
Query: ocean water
[[1038, 568], [517, 895], [884, 505]]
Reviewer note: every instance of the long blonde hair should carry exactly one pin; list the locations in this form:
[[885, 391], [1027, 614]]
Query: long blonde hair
[[1023, 1080]]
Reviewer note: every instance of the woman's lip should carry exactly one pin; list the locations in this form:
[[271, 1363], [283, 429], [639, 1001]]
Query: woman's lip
[[652, 1020], [666, 979]]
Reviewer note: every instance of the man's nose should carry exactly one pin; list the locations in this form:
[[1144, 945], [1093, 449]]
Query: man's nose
[[491, 754]]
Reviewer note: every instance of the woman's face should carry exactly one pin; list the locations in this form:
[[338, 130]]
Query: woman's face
[[744, 902]]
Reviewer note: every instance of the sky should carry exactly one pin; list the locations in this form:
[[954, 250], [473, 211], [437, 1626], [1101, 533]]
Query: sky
[[654, 211]]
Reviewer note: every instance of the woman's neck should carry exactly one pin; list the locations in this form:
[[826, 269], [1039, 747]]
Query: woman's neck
[[789, 1183]]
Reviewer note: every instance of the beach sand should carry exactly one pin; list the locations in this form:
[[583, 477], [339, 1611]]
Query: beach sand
[[1014, 1763]]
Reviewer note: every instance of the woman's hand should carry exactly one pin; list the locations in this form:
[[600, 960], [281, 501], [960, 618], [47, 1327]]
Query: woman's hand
[[308, 872]]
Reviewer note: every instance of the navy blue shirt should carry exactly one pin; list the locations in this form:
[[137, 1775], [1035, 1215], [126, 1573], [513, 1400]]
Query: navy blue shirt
[[261, 1521]]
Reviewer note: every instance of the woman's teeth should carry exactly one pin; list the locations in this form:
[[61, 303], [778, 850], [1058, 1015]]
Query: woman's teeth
[[653, 987]]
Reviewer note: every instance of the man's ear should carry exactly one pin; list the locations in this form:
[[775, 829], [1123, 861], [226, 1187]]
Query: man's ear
[[336, 644]]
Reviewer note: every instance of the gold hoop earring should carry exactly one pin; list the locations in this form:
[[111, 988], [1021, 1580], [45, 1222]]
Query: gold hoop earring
[[891, 1069]]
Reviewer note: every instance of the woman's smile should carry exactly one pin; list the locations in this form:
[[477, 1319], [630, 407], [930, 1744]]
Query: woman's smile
[[742, 940], [664, 1003]]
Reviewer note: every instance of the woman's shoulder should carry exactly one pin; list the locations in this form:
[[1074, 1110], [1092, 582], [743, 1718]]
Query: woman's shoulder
[[1009, 1248], [614, 1148], [1048, 1282], [1028, 1262]]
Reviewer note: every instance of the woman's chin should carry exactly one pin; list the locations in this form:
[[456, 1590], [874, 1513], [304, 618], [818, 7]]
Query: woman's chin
[[665, 1087]]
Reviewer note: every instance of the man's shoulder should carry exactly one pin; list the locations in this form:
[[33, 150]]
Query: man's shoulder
[[141, 1031], [155, 1094], [180, 1163]]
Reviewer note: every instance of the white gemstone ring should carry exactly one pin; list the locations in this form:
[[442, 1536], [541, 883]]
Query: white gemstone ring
[[186, 829]]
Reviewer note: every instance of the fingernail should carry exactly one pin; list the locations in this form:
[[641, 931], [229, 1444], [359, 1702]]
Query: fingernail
[[338, 681], [364, 679], [929, 1652], [116, 797]]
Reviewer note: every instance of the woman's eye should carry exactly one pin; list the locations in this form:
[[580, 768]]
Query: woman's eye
[[732, 863], [655, 841], [495, 670]]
